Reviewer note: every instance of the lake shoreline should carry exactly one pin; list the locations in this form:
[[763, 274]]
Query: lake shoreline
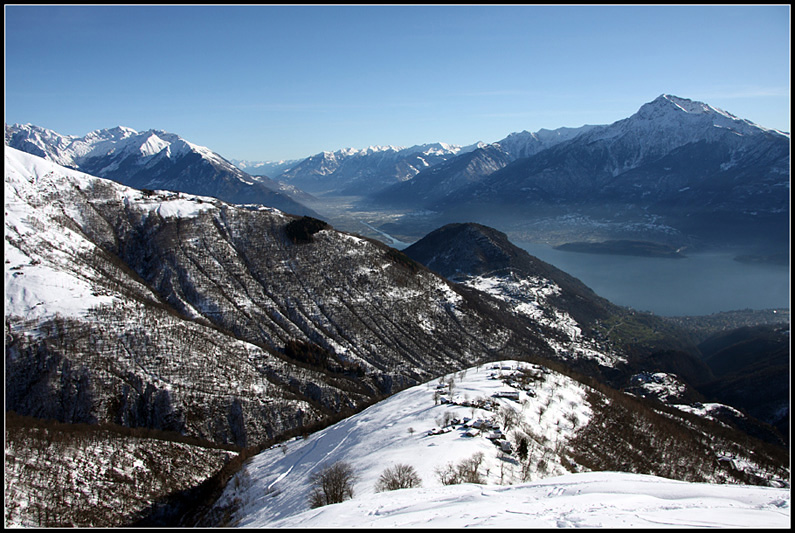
[[623, 247]]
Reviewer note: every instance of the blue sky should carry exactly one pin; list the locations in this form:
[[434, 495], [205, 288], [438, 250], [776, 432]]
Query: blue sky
[[284, 82]]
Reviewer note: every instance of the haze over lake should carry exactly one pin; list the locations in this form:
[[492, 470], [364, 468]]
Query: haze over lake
[[700, 284]]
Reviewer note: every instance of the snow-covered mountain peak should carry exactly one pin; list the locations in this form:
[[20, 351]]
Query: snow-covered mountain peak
[[526, 143], [670, 107], [667, 111], [152, 144], [110, 134], [669, 122]]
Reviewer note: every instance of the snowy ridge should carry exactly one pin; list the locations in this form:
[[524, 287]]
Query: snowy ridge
[[529, 296], [46, 270], [462, 416], [439, 148], [428, 426]]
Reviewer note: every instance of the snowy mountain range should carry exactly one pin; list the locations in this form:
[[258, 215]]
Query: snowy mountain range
[[152, 160], [264, 168], [361, 171], [677, 171]]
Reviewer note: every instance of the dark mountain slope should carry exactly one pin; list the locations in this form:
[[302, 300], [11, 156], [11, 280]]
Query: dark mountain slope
[[470, 249], [752, 365], [175, 312], [466, 252]]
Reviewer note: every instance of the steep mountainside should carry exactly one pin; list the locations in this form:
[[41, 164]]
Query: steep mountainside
[[152, 160], [185, 313]]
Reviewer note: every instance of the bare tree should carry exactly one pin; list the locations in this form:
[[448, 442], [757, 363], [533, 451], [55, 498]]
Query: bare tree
[[466, 471], [332, 484], [400, 476], [507, 417]]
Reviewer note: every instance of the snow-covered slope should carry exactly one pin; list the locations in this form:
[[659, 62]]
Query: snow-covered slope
[[416, 427], [588, 500], [48, 266], [431, 428]]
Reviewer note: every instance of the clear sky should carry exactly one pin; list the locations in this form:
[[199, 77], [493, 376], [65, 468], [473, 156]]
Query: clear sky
[[285, 82]]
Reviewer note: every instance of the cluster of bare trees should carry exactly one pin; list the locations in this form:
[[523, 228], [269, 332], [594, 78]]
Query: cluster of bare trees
[[399, 476], [466, 471], [81, 475], [334, 483]]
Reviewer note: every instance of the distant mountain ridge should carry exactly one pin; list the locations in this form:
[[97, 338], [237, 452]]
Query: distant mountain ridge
[[676, 170], [361, 171], [264, 168], [152, 159]]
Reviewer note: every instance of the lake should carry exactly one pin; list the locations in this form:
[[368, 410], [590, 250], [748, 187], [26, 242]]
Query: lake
[[700, 284]]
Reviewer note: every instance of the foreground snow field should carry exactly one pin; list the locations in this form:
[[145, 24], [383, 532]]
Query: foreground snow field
[[603, 499], [412, 428]]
